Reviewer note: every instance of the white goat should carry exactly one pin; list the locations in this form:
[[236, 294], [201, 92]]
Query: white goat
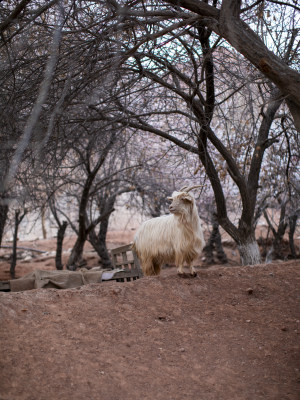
[[175, 238]]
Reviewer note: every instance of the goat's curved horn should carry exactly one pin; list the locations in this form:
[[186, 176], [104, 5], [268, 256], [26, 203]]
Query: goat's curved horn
[[183, 188], [193, 187]]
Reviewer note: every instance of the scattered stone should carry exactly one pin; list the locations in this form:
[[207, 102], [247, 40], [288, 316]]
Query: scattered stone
[[162, 318], [250, 291], [284, 329]]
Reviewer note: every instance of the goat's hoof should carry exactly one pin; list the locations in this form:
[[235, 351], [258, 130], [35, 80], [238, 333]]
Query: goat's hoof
[[186, 275]]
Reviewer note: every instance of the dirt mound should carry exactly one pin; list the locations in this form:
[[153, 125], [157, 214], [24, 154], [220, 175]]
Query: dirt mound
[[231, 333]]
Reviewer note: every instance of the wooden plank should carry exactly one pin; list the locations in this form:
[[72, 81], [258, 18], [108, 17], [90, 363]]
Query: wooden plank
[[120, 249], [118, 264], [124, 257], [114, 260]]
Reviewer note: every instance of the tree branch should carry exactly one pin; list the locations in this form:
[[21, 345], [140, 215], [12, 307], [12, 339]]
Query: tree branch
[[248, 43]]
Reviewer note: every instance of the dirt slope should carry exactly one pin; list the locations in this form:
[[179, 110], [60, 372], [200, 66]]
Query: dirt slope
[[231, 333]]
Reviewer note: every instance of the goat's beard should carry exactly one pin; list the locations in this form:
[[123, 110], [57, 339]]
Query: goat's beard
[[186, 218]]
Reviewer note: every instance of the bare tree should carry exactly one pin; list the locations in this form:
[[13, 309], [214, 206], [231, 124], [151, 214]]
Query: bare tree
[[225, 19], [185, 69], [172, 69], [62, 226]]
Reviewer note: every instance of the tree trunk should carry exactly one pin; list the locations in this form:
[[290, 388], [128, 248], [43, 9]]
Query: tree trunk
[[106, 207], [101, 249], [277, 246], [215, 243], [249, 252], [59, 244], [279, 233], [14, 252], [13, 264], [43, 217], [209, 251], [221, 256], [3, 217], [292, 223], [99, 243], [75, 259]]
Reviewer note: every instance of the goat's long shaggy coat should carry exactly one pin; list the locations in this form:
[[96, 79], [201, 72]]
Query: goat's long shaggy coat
[[175, 239]]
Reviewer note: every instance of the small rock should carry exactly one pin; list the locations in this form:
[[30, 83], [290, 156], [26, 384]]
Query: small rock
[[250, 291], [284, 328], [162, 318], [248, 321], [182, 349]]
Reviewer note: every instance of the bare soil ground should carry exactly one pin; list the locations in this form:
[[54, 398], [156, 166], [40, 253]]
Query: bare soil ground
[[230, 333]]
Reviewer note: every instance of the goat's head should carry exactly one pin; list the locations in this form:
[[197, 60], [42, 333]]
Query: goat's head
[[182, 202]]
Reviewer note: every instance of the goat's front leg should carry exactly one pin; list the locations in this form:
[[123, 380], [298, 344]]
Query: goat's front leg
[[180, 269], [193, 271]]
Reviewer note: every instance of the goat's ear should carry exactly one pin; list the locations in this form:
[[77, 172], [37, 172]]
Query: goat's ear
[[186, 197], [170, 198]]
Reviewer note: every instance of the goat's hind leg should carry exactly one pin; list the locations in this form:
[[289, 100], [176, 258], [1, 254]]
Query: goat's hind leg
[[148, 268], [156, 267]]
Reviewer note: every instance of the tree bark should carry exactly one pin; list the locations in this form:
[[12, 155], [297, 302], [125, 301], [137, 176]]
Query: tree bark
[[279, 233], [221, 255], [292, 224], [106, 207], [43, 220], [18, 220], [99, 244], [3, 218], [59, 245], [215, 243], [75, 259], [249, 252], [14, 252]]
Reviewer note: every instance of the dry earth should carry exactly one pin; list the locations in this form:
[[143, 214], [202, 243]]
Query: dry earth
[[230, 333]]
